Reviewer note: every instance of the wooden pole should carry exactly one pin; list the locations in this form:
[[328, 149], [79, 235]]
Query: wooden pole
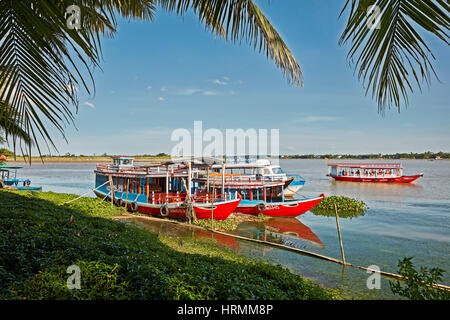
[[212, 203], [339, 234]]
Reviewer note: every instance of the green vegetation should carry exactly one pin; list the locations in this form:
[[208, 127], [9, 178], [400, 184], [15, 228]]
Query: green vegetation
[[39, 239], [393, 156], [419, 284], [231, 223], [346, 207]]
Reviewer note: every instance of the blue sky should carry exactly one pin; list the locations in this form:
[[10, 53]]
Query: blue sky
[[162, 75]]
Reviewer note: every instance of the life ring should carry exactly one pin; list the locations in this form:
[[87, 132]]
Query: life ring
[[261, 206], [119, 202], [134, 206], [391, 179], [375, 179], [16, 182], [28, 183], [164, 210]]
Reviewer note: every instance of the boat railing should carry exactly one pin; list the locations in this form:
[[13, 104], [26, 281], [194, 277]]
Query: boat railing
[[245, 179], [137, 169], [175, 197], [166, 197]]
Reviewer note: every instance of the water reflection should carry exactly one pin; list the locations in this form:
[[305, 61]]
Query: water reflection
[[397, 192], [287, 231]]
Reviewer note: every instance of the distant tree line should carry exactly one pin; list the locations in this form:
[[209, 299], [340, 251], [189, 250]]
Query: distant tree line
[[411, 155]]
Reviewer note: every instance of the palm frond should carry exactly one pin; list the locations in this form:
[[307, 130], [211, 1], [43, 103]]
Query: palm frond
[[237, 20], [388, 53], [41, 58]]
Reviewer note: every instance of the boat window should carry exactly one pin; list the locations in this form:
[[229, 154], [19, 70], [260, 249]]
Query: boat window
[[278, 171]]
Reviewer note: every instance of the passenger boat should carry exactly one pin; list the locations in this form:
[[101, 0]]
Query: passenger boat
[[259, 196], [264, 170], [162, 190], [370, 172], [11, 180]]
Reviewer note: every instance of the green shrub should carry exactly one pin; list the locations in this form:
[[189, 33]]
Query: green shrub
[[419, 284], [346, 207]]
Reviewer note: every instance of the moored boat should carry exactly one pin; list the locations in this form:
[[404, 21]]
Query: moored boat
[[164, 190], [264, 170], [11, 180], [370, 172], [259, 196]]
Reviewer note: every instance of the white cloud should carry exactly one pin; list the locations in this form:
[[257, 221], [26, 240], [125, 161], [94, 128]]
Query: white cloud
[[226, 78], [232, 92], [164, 89], [149, 87], [161, 99], [219, 82], [209, 93], [90, 105]]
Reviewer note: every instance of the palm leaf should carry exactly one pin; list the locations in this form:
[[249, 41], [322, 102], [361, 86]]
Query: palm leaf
[[41, 59], [390, 58], [237, 20]]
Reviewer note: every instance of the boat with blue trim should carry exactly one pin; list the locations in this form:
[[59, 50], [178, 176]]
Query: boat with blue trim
[[8, 175], [259, 195], [163, 189], [263, 169]]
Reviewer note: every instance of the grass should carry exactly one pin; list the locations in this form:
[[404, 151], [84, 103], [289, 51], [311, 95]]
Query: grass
[[230, 223], [346, 207], [40, 239]]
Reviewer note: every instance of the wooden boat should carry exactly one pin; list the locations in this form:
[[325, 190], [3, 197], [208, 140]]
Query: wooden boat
[[370, 172], [162, 190], [260, 169], [11, 180], [259, 196]]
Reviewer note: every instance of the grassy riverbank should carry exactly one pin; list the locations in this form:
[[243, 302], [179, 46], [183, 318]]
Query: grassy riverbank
[[39, 239]]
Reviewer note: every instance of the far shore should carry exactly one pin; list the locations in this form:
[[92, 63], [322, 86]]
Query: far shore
[[102, 159]]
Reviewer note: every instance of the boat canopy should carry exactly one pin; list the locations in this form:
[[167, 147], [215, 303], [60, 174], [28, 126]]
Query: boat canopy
[[367, 165]]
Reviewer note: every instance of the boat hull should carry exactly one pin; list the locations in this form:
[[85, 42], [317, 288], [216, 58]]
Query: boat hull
[[287, 208], [401, 179], [220, 211]]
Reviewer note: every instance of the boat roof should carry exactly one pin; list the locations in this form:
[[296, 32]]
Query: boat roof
[[367, 165], [9, 167]]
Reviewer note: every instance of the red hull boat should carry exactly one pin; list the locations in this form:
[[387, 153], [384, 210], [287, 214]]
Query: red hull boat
[[286, 208], [402, 179], [370, 172]]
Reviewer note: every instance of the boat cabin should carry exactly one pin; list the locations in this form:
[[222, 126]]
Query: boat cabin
[[123, 162], [365, 170]]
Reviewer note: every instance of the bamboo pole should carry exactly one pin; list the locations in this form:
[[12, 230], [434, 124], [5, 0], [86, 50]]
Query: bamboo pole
[[339, 233]]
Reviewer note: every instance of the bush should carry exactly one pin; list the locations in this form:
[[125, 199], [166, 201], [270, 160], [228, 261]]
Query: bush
[[346, 207], [419, 284]]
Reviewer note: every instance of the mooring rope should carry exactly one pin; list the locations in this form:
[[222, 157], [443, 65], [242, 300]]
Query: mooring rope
[[83, 194]]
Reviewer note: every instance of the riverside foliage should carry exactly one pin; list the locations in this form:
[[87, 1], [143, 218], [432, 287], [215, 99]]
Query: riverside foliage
[[346, 207], [39, 239]]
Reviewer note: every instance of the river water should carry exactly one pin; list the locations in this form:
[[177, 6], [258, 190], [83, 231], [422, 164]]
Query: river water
[[411, 220]]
